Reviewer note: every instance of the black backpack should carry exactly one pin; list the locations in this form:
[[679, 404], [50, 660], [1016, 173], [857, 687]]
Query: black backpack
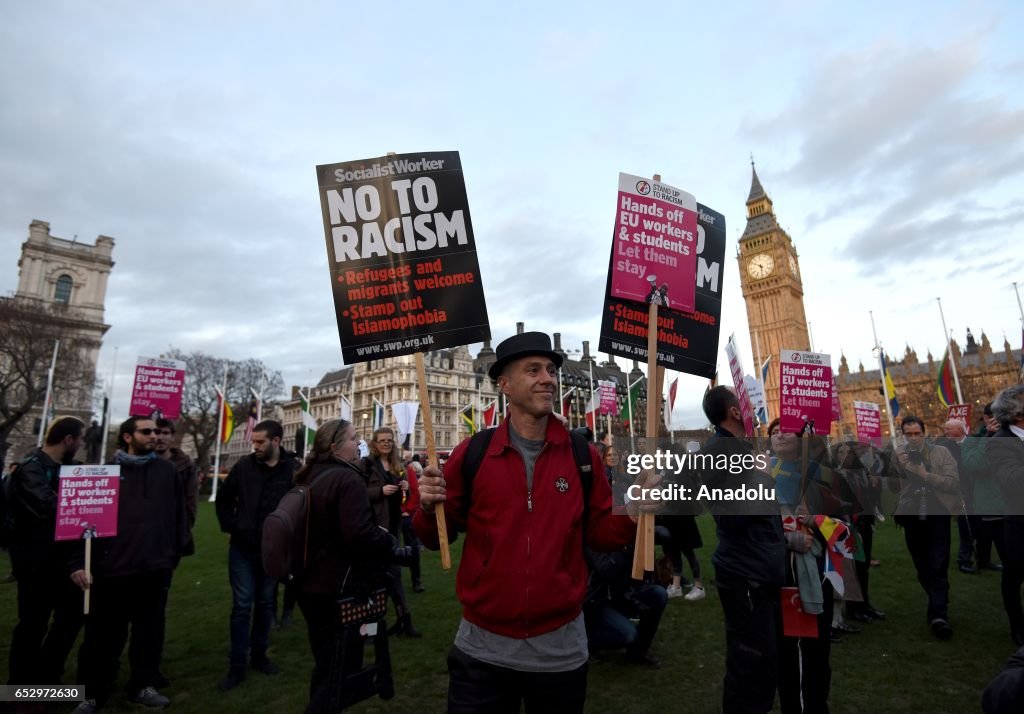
[[478, 444], [286, 532]]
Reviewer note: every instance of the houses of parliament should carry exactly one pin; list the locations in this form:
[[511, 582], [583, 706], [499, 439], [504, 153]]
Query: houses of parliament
[[769, 267]]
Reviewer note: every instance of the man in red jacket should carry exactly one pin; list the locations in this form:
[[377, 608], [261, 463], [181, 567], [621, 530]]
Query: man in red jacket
[[522, 579]]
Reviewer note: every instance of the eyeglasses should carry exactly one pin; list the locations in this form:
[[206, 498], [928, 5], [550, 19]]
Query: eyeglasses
[[147, 432]]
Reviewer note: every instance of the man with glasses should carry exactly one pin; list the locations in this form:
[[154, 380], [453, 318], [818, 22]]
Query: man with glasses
[[130, 572], [249, 494]]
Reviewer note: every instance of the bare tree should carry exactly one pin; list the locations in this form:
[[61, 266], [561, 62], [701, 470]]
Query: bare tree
[[199, 401], [28, 330]]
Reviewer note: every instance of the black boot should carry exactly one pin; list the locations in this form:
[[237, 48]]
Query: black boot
[[407, 627], [233, 678]]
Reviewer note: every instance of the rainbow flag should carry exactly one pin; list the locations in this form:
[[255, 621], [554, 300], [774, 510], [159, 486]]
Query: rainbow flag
[[944, 383]]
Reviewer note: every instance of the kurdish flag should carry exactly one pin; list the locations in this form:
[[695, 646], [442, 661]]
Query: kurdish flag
[[944, 383]]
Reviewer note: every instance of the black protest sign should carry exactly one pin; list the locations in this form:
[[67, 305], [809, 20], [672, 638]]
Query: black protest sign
[[687, 342], [402, 257]]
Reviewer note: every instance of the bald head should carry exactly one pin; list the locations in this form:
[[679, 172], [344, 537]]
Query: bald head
[[955, 429]]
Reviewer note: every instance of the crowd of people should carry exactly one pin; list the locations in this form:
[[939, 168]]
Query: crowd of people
[[544, 581]]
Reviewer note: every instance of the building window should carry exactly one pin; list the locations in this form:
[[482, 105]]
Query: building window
[[62, 293]]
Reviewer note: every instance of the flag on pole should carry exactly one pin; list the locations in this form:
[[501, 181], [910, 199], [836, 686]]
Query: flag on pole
[[592, 405], [227, 417], [308, 421], [344, 408], [567, 402], [378, 415], [944, 383], [250, 423], [764, 370], [890, 390], [670, 403], [491, 415], [469, 417], [632, 399]]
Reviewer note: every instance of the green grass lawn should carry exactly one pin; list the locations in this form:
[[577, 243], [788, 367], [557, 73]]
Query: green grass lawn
[[896, 664]]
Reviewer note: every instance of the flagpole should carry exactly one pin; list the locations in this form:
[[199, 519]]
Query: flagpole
[[952, 362], [49, 394], [629, 405], [881, 375], [222, 394], [590, 367], [106, 412], [760, 377], [259, 397], [561, 397], [1020, 306]]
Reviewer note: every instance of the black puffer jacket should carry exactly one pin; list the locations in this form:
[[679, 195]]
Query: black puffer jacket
[[249, 494]]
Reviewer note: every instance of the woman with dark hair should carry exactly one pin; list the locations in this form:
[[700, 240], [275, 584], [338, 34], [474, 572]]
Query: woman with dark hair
[[387, 486], [346, 547]]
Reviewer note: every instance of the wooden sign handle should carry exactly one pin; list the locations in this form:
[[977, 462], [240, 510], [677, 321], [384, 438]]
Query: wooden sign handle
[[88, 574], [428, 434]]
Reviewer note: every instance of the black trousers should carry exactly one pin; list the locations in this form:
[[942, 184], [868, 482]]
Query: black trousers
[[410, 538], [475, 687], [119, 604], [989, 533], [928, 541], [1013, 571], [753, 626], [39, 649], [321, 613], [805, 672], [866, 530]]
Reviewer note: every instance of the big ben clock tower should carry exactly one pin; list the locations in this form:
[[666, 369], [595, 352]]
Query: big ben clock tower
[[772, 289]]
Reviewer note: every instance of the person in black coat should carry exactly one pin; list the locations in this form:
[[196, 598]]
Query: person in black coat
[[1005, 453], [250, 493], [750, 564], [39, 649], [348, 550]]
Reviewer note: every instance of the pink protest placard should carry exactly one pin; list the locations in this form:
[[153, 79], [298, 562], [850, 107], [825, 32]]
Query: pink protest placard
[[869, 423], [736, 368], [805, 400], [158, 387], [609, 404], [961, 412], [87, 501], [654, 254]]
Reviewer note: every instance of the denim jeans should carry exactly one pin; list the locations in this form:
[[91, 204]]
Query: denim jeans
[[252, 601]]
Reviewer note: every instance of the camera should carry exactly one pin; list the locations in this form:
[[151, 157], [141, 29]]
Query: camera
[[915, 457]]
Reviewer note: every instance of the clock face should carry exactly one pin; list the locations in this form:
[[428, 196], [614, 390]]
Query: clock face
[[792, 266], [761, 266]]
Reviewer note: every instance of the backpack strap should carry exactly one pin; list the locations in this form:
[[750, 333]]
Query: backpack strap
[[309, 507], [478, 444]]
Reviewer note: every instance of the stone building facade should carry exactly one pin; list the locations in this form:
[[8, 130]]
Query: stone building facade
[[64, 283]]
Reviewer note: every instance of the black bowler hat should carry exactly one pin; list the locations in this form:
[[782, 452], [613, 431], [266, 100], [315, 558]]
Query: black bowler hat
[[523, 345]]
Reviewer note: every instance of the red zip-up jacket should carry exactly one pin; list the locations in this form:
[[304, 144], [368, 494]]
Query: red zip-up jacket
[[522, 571]]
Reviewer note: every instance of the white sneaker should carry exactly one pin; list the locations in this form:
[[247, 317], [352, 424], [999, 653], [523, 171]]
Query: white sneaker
[[674, 591], [695, 594]]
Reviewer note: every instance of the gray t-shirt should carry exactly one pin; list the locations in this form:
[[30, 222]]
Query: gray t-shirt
[[561, 650]]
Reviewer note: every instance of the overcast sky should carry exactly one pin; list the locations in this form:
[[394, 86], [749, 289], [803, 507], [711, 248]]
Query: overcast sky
[[891, 141]]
